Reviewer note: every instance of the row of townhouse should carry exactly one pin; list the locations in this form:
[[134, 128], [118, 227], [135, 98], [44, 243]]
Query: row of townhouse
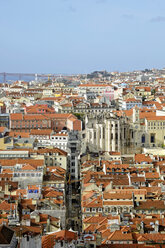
[[124, 202], [57, 122], [48, 138]]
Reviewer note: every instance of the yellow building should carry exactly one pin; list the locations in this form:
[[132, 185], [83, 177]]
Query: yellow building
[[5, 140]]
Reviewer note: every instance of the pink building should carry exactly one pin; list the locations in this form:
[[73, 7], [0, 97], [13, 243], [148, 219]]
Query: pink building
[[109, 93]]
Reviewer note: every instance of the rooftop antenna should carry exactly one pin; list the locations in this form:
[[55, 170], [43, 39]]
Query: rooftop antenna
[[10, 209]]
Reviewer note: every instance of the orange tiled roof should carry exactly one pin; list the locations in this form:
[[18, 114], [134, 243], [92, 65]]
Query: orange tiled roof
[[47, 150], [16, 134], [156, 118], [7, 206], [124, 112], [118, 203], [152, 175], [60, 134], [120, 236], [157, 237], [132, 100], [93, 85], [117, 196], [49, 240], [149, 204], [12, 162], [40, 131], [33, 187], [8, 171], [28, 167], [2, 129], [28, 229], [139, 158], [21, 192], [18, 116]]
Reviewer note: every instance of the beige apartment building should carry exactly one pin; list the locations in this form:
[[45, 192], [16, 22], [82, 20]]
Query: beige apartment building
[[155, 129]]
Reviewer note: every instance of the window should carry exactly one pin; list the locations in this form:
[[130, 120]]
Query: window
[[132, 135], [152, 138], [143, 138]]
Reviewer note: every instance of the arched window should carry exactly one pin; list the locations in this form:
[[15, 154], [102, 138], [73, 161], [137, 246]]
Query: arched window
[[132, 135], [152, 138], [143, 138]]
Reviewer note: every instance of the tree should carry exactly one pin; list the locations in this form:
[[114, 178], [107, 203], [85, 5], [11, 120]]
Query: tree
[[153, 92]]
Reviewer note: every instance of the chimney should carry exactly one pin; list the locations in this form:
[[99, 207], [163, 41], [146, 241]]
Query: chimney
[[142, 227], [6, 189], [48, 224], [129, 179], [156, 227], [104, 169], [111, 185]]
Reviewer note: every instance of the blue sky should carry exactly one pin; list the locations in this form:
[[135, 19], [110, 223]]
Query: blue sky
[[80, 36]]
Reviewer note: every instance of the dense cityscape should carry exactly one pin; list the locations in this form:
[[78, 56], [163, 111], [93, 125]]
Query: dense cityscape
[[82, 160]]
